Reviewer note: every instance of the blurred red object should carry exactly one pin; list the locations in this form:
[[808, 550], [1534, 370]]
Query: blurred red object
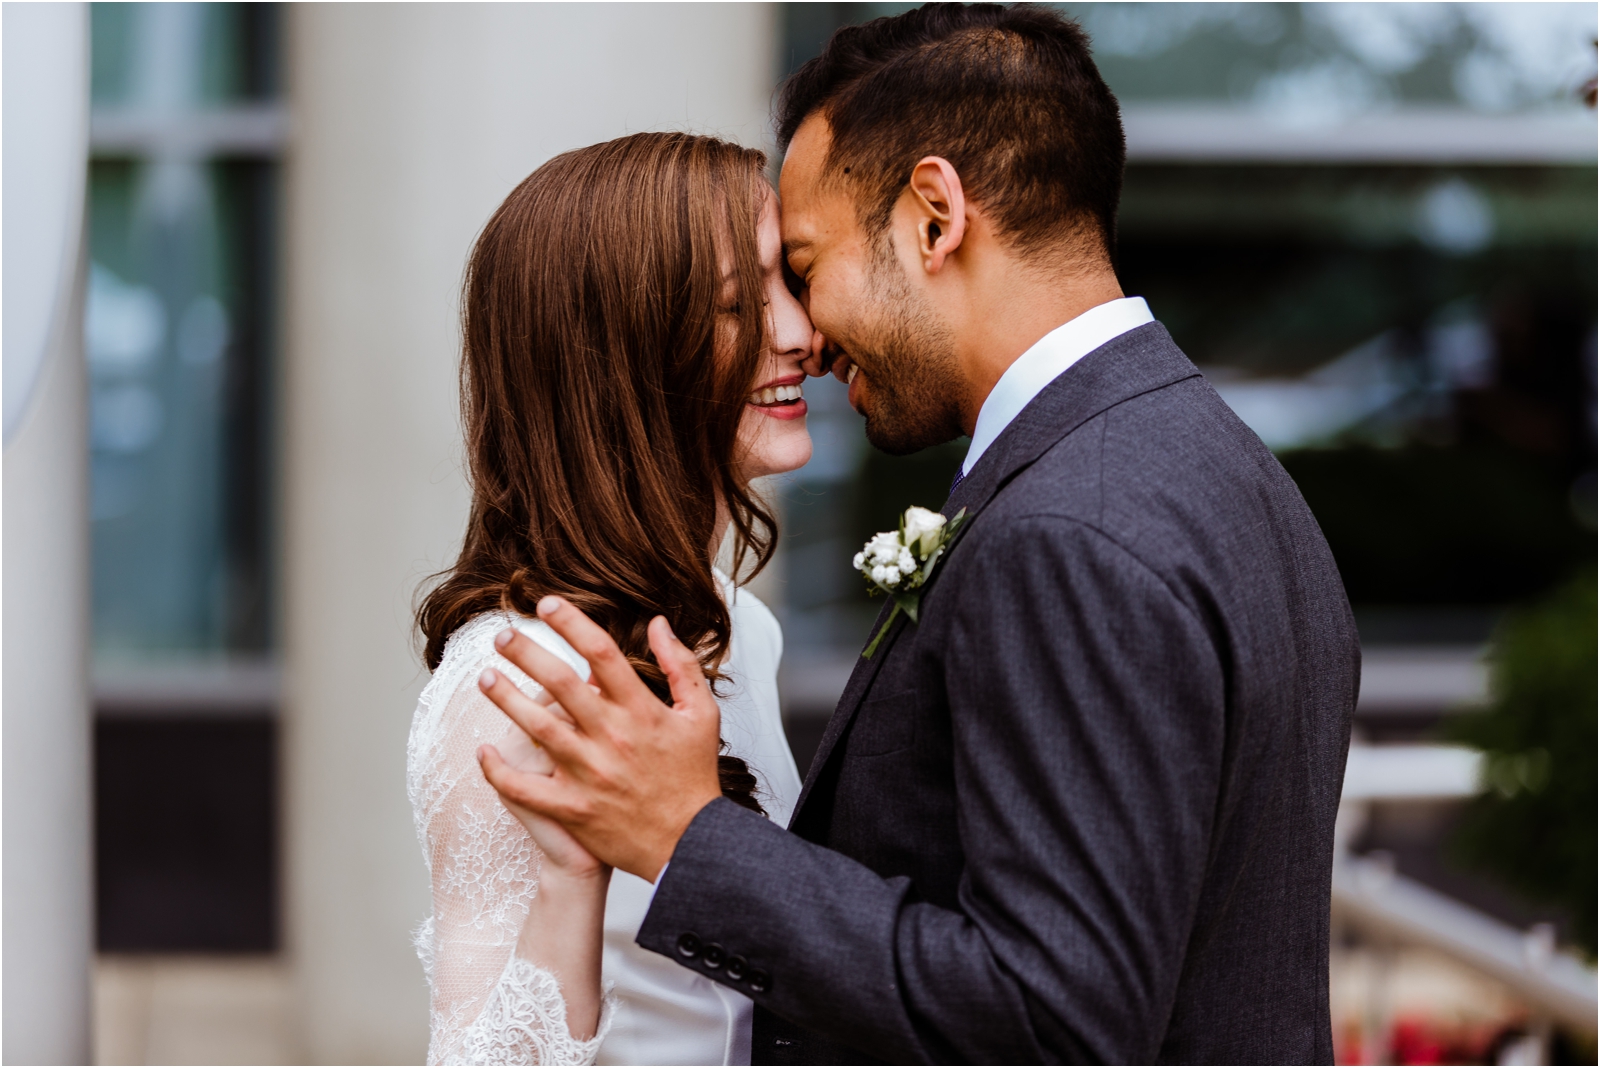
[[1418, 1040]]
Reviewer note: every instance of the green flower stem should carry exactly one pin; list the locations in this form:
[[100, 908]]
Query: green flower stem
[[881, 632]]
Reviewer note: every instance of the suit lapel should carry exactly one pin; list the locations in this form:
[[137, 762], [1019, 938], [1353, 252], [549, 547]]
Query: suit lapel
[[1144, 359]]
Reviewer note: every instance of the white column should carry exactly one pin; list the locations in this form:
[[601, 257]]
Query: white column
[[410, 123], [49, 921]]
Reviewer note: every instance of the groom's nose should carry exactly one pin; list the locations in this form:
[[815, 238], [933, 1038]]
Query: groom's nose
[[818, 360]]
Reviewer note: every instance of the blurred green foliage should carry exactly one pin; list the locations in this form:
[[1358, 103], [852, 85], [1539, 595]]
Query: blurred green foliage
[[1534, 826]]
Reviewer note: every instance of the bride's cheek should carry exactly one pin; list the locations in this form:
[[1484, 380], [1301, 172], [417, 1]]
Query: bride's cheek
[[752, 429]]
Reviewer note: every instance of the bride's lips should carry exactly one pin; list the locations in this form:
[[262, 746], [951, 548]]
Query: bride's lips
[[780, 398]]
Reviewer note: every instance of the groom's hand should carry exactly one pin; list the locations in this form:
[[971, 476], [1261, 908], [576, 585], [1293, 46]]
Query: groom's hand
[[630, 772]]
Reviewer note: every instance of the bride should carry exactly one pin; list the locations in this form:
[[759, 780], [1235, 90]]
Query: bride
[[632, 361]]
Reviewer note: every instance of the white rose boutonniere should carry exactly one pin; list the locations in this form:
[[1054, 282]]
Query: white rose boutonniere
[[900, 562]]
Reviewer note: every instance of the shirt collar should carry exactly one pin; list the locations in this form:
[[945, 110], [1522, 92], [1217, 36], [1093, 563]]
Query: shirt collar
[[1044, 362]]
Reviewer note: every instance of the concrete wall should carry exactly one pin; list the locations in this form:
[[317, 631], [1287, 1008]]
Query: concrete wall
[[410, 122], [49, 914]]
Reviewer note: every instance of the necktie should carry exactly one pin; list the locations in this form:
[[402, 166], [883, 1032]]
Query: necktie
[[960, 475]]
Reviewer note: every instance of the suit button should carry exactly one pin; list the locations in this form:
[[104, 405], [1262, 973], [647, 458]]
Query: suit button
[[688, 945], [714, 955], [760, 982], [737, 966]]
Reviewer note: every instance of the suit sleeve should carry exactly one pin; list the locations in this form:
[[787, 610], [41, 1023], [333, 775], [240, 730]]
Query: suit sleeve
[[1087, 708]]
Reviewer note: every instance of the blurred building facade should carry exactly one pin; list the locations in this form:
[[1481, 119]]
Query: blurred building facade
[[1372, 225]]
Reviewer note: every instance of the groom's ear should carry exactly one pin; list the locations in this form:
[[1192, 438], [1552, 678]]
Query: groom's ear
[[941, 210]]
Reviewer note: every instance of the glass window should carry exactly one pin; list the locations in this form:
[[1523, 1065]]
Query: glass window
[[178, 328], [1327, 60], [1308, 61], [182, 208]]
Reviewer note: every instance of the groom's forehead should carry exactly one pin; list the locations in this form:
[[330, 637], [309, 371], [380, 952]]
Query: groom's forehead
[[804, 162], [813, 200]]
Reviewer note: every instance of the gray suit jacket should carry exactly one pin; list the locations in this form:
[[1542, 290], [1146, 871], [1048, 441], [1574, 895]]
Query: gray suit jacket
[[1083, 810]]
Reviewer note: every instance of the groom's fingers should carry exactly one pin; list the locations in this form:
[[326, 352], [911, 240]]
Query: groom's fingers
[[538, 721], [685, 676], [550, 671], [607, 665], [541, 793]]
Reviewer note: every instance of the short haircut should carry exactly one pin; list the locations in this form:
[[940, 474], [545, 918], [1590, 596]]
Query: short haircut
[[1009, 95]]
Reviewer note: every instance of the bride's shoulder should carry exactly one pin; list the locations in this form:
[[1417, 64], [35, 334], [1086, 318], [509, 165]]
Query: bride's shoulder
[[474, 638], [468, 651], [471, 647]]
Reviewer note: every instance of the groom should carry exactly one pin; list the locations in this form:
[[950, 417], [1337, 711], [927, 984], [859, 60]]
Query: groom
[[1082, 810]]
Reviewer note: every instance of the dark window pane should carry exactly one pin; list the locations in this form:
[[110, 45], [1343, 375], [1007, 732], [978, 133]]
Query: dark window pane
[[185, 834]]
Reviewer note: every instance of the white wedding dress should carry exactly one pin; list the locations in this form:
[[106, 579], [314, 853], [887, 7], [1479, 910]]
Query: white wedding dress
[[490, 1006]]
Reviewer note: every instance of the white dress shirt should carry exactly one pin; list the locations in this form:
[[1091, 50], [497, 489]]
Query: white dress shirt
[[1044, 362]]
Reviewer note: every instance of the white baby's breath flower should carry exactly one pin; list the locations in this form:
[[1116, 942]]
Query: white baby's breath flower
[[857, 560], [905, 561], [891, 576], [884, 548]]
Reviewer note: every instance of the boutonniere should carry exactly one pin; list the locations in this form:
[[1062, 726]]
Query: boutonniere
[[900, 562]]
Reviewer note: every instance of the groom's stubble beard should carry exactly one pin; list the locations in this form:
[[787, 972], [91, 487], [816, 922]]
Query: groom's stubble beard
[[913, 375]]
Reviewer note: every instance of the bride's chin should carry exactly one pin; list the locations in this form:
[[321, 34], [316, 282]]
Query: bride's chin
[[790, 452]]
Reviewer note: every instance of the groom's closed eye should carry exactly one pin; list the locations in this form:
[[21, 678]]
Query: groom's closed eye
[[793, 282]]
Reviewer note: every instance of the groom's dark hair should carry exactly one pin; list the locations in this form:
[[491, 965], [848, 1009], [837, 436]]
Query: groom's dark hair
[[1010, 96]]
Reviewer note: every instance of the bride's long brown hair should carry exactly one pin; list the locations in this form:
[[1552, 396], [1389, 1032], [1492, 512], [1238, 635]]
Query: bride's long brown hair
[[601, 412]]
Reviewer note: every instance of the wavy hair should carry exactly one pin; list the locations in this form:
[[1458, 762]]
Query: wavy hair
[[601, 394]]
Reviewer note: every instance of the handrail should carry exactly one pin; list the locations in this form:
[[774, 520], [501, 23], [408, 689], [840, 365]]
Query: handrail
[[1368, 893]]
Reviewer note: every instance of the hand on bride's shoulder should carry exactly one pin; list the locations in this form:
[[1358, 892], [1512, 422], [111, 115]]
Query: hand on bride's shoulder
[[563, 856]]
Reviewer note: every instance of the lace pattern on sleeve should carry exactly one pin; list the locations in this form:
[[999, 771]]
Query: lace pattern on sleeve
[[524, 1021], [488, 1006]]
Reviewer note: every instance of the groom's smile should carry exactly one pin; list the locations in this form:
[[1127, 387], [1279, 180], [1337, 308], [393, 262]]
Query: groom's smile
[[883, 339]]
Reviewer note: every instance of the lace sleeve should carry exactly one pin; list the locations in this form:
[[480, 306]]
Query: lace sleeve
[[524, 1021], [489, 1006]]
